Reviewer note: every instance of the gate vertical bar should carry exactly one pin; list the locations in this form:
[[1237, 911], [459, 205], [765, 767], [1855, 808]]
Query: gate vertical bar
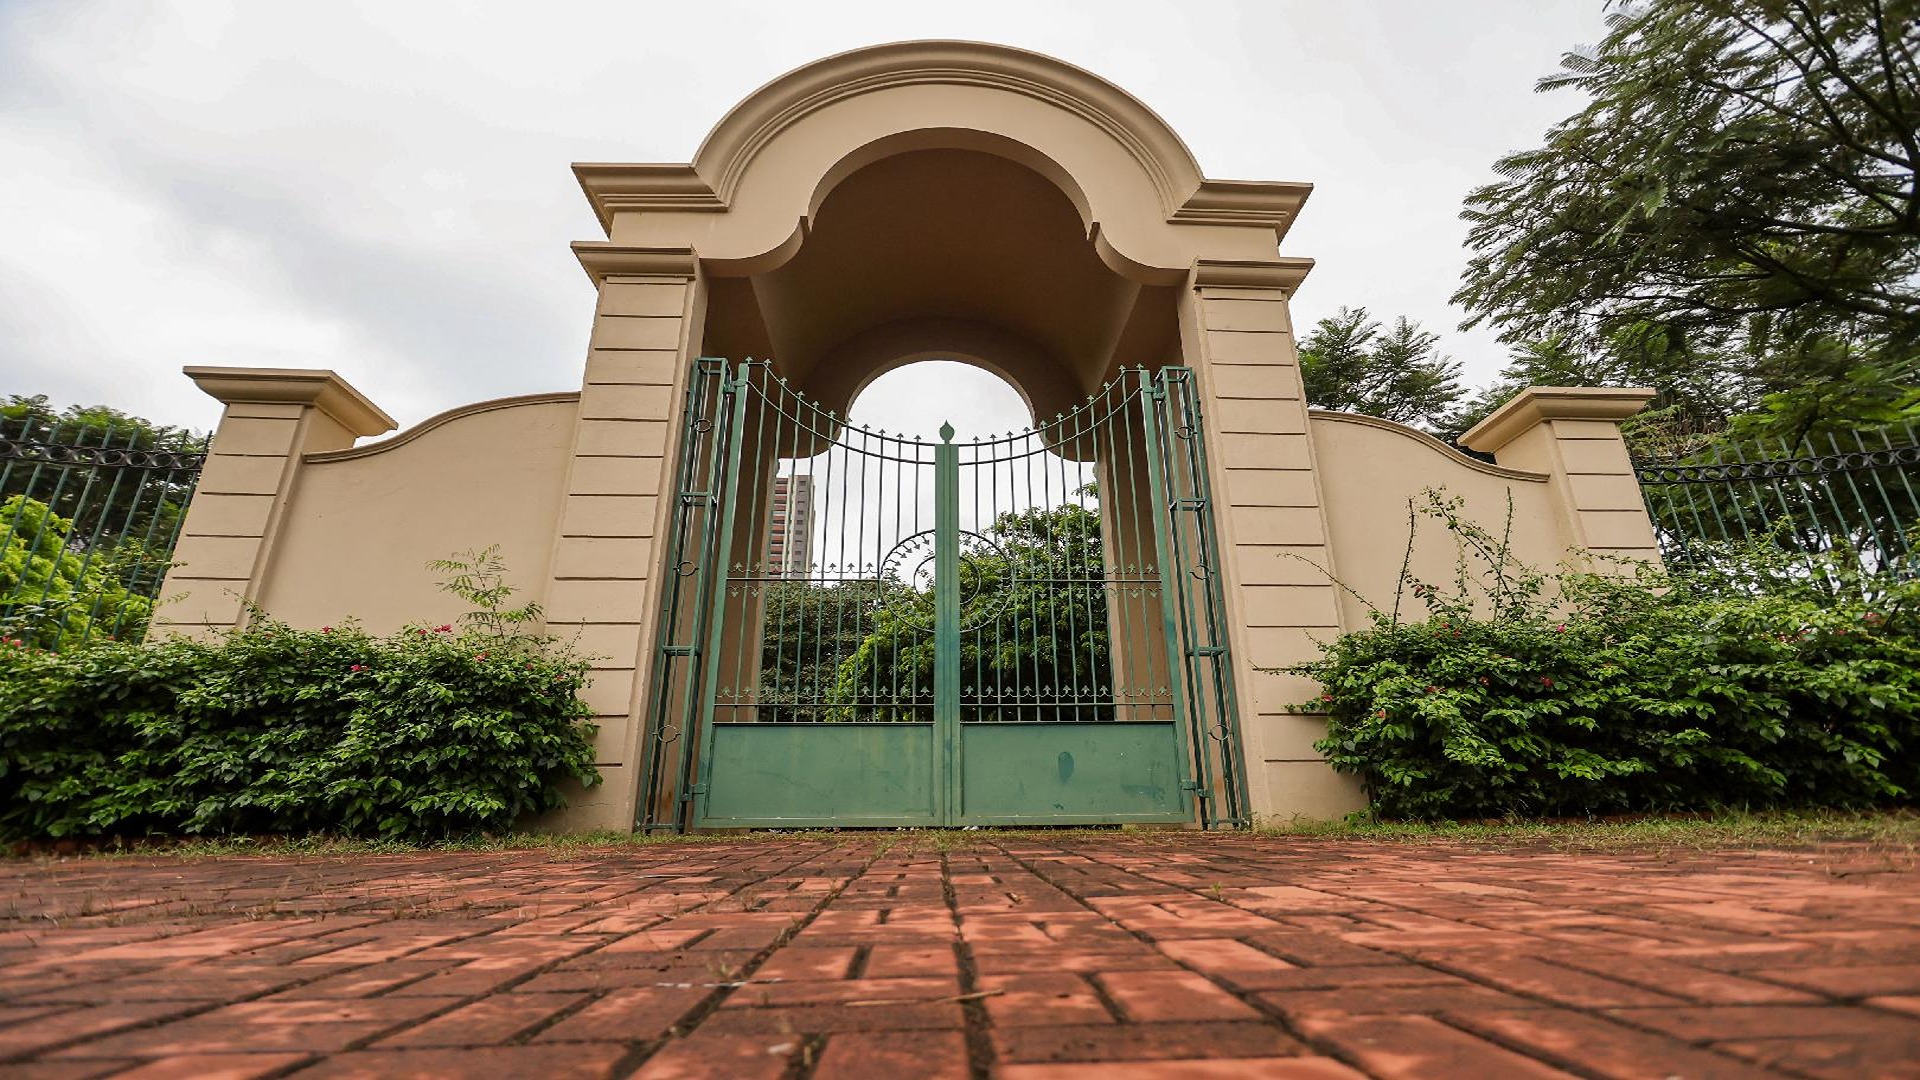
[[1191, 430], [946, 617], [1152, 395], [716, 604], [677, 640]]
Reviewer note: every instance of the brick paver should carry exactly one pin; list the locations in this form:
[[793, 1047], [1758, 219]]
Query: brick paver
[[1037, 956]]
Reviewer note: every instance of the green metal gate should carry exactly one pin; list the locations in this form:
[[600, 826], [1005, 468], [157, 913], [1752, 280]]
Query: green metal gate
[[866, 629]]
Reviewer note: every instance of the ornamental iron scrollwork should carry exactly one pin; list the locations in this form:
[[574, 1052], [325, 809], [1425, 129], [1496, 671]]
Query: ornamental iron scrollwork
[[1779, 468], [97, 456]]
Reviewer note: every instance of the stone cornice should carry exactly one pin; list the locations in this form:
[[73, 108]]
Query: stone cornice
[[1265, 204], [322, 389], [600, 259], [1538, 404], [1285, 274], [613, 187]]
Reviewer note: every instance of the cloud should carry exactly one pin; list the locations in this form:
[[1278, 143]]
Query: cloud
[[383, 189]]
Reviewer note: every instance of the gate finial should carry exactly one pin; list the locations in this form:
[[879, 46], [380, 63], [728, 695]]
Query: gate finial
[[946, 432]]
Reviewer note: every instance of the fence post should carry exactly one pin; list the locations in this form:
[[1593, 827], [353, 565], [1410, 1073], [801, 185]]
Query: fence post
[[273, 416], [1573, 434]]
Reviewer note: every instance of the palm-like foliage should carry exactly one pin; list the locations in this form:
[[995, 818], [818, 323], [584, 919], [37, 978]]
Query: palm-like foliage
[[1739, 191]]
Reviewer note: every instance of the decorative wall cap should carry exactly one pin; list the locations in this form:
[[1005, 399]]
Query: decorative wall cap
[[518, 401], [1279, 273], [322, 389], [1450, 453], [601, 259], [708, 184], [1538, 404]]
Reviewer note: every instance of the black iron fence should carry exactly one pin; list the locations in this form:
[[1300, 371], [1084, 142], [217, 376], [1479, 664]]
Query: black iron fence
[[90, 509], [1849, 497]]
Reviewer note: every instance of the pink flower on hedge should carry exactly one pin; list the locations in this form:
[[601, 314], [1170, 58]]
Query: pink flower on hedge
[[479, 656], [1544, 681], [443, 628], [1561, 629], [357, 667], [326, 629]]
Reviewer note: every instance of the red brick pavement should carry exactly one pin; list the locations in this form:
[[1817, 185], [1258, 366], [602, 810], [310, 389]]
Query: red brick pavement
[[1037, 957]]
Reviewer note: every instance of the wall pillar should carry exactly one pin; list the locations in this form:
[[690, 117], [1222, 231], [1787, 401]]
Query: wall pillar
[[1237, 334], [602, 591], [1572, 433], [273, 416]]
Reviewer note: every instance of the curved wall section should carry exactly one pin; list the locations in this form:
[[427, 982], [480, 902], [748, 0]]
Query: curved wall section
[[1370, 468], [362, 523]]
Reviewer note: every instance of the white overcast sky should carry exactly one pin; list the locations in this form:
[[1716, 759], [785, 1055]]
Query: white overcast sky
[[382, 188]]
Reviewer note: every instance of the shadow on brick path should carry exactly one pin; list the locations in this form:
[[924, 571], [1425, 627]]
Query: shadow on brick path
[[1030, 957]]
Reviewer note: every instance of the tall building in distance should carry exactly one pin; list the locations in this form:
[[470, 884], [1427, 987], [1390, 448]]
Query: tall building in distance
[[790, 535]]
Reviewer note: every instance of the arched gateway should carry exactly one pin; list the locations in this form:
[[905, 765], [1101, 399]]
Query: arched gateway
[[803, 621]]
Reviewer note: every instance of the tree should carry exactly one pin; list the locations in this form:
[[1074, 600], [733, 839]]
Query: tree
[[52, 597], [809, 631], [1697, 392], [1036, 645], [1350, 362], [1741, 188]]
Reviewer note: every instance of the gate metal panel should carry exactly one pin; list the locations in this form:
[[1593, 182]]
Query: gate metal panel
[[1021, 629]]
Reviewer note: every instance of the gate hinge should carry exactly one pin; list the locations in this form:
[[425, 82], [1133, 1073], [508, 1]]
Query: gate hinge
[[692, 790], [1209, 650], [680, 650], [1192, 785], [696, 498]]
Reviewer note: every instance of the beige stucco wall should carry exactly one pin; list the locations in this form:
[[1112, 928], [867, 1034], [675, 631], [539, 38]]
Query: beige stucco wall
[[1146, 262], [1371, 468], [361, 524]]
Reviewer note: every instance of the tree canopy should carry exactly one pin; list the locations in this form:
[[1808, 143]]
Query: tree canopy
[[1353, 363], [52, 596], [1034, 643], [1737, 199]]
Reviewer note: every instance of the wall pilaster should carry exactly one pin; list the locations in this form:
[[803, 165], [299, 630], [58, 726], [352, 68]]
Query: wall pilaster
[[1572, 433], [1237, 333], [603, 586], [273, 416]]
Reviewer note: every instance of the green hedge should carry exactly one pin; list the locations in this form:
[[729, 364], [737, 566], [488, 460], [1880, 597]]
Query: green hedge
[[1759, 682], [421, 735]]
